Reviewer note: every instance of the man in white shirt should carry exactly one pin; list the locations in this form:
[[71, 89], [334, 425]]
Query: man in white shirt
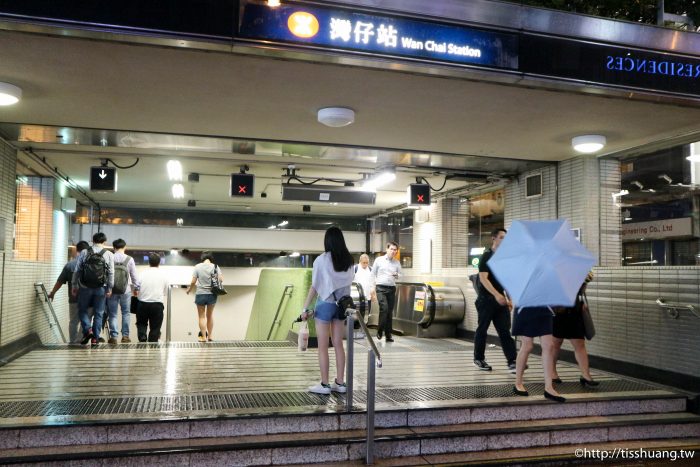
[[154, 288], [364, 277], [386, 270]]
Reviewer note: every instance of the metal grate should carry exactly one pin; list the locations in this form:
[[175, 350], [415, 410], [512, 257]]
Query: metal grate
[[218, 402], [180, 345]]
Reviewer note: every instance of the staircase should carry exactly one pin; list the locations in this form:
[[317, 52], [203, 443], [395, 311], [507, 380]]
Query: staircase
[[521, 430]]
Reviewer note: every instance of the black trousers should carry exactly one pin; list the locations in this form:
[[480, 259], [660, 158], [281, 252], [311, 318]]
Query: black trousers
[[149, 315], [386, 297], [488, 311]]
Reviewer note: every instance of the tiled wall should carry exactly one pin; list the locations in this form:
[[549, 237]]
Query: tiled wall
[[630, 326], [22, 312]]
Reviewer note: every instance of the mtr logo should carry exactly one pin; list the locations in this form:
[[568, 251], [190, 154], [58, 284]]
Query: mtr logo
[[242, 185], [303, 24]]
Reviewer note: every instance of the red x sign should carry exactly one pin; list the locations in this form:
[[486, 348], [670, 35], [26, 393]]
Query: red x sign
[[420, 198], [241, 189]]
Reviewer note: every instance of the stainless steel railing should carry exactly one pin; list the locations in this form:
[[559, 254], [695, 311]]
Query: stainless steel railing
[[289, 287], [673, 309], [374, 360], [39, 286]]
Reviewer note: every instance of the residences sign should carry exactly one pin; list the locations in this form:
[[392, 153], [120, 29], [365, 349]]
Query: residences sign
[[385, 35], [667, 228]]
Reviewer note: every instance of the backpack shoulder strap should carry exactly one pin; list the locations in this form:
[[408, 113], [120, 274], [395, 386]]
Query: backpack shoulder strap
[[355, 269]]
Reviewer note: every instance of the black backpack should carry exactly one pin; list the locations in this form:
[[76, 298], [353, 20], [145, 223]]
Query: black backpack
[[93, 275], [121, 276]]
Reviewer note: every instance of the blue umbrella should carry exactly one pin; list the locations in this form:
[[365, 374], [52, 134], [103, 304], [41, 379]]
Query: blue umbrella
[[540, 263]]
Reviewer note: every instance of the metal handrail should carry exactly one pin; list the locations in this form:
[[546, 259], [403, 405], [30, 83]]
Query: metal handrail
[[168, 313], [673, 308], [40, 285], [374, 360], [279, 307]]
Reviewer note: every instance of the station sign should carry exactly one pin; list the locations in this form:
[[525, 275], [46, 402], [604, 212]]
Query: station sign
[[103, 179], [242, 185], [379, 34]]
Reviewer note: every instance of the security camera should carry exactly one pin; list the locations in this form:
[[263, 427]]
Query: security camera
[[263, 195], [306, 208]]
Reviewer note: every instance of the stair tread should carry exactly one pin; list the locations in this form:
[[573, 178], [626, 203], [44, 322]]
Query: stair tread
[[348, 436]]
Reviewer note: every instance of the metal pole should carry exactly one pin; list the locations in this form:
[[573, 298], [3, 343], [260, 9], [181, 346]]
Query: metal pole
[[371, 365], [167, 326], [350, 324]]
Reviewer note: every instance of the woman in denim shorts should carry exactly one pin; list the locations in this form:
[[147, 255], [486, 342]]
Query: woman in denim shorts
[[330, 280], [204, 298]]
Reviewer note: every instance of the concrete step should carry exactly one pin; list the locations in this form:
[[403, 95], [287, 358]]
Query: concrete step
[[118, 430], [345, 445]]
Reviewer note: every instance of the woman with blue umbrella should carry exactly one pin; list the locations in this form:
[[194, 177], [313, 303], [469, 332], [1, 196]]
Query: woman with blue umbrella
[[541, 265]]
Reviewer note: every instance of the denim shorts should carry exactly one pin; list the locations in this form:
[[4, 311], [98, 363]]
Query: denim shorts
[[205, 299], [327, 311]]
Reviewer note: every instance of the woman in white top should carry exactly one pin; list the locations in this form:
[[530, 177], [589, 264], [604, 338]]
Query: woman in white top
[[330, 280], [203, 297]]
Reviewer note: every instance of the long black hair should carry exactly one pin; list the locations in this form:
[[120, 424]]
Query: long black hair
[[334, 242]]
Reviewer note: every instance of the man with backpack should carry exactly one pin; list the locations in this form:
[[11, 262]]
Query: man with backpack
[[93, 280], [124, 280]]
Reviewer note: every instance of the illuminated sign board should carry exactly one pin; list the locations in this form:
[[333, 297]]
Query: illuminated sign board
[[352, 31], [103, 179], [242, 185]]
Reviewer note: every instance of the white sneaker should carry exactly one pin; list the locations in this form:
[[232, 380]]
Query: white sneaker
[[359, 335], [341, 388], [320, 388]]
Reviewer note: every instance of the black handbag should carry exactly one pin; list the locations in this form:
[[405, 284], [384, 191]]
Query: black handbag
[[217, 288], [134, 307], [588, 327]]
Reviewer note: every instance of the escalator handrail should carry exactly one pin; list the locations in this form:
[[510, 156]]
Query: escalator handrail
[[429, 316]]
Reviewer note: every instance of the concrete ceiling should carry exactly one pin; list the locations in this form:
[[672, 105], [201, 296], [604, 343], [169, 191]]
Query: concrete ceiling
[[81, 83]]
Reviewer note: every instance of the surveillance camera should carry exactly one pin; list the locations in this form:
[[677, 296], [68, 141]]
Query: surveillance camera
[[191, 203], [306, 208], [263, 195]]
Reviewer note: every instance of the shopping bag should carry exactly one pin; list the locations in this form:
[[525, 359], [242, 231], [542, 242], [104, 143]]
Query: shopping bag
[[303, 340]]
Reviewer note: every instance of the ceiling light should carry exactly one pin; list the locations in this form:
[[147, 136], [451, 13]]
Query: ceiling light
[[174, 171], [283, 223], [9, 94], [620, 193], [336, 116], [666, 178], [294, 254], [379, 179], [178, 191], [273, 3], [272, 227], [638, 184], [588, 143]]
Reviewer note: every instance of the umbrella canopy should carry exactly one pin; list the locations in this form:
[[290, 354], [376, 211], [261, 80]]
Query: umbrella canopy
[[540, 263]]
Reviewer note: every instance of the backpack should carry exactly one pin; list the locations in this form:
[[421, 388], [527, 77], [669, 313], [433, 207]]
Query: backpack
[[93, 274], [476, 283], [121, 276]]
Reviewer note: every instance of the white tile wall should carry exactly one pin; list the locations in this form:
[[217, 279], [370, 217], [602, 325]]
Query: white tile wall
[[22, 312]]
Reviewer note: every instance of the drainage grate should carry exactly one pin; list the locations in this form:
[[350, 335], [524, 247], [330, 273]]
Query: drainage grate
[[178, 345], [218, 402]]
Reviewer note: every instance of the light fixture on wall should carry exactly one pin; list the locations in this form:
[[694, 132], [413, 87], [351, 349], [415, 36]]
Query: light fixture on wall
[[666, 178], [9, 94], [68, 205], [336, 117], [588, 143], [178, 191], [380, 178], [174, 170]]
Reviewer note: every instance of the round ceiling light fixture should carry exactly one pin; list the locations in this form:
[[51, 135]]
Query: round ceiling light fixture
[[588, 143], [9, 94], [336, 117]]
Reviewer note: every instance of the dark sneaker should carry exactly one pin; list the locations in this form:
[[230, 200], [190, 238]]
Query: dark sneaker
[[102, 340], [94, 343], [379, 334], [113, 341], [86, 338], [482, 365], [389, 339], [511, 367]]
